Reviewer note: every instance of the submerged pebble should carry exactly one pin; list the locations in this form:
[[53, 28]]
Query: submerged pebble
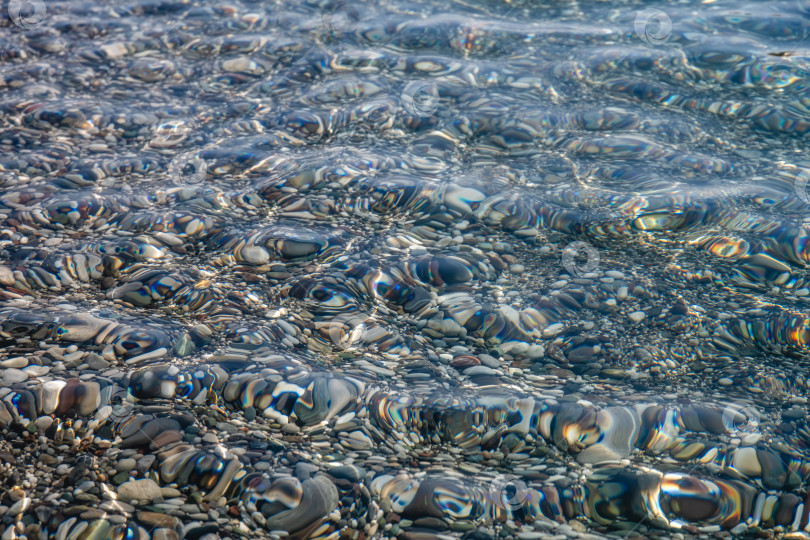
[[412, 271]]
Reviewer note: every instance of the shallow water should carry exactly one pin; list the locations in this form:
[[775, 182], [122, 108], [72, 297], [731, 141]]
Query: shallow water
[[413, 269]]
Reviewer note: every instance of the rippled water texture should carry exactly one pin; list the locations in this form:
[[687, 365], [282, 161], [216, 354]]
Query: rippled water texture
[[405, 269]]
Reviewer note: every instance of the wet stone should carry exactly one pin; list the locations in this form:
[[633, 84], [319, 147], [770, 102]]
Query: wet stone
[[125, 465], [140, 490], [280, 270], [154, 519], [120, 478]]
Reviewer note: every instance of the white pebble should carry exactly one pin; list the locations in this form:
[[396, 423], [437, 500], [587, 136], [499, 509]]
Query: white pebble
[[552, 330], [20, 506], [637, 316], [16, 362]]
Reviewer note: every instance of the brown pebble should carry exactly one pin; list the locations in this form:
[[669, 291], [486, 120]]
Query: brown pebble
[[291, 429], [167, 437], [165, 534], [32, 531], [391, 517], [462, 362], [156, 519], [497, 262], [6, 276]]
